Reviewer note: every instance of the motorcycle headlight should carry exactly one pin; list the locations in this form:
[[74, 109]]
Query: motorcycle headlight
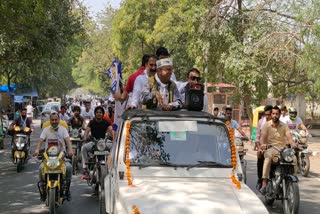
[[53, 162], [75, 133], [53, 151], [101, 145], [287, 154], [20, 142]]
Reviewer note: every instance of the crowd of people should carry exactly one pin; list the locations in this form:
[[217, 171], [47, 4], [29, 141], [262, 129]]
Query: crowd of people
[[154, 86]]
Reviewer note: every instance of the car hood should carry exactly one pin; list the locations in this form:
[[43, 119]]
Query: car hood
[[185, 196]]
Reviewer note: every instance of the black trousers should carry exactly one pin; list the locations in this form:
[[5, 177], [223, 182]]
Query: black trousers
[[260, 161]]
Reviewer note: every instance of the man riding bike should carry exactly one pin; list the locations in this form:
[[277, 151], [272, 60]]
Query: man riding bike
[[293, 121], [98, 128], [22, 121], [76, 120], [59, 134]]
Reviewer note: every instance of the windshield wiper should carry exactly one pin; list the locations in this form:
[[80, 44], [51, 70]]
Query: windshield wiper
[[158, 164], [208, 163]]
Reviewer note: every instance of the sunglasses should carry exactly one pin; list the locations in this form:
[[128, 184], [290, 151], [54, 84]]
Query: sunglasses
[[194, 78], [152, 65]]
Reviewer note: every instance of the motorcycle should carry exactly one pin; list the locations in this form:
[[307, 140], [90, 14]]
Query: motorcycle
[[283, 184], [54, 189], [303, 160], [97, 166], [239, 143], [20, 146], [75, 138]]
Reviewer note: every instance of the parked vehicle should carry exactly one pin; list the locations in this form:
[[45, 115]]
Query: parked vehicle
[[54, 189], [20, 147], [75, 138], [175, 162], [47, 109], [283, 184], [302, 153]]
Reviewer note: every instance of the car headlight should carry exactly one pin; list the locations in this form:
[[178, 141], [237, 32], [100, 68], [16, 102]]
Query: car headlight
[[75, 133], [101, 145], [287, 154], [53, 162]]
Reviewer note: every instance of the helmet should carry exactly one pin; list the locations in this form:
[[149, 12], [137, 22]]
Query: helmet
[[292, 113]]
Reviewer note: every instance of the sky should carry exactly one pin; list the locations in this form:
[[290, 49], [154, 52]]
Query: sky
[[95, 6]]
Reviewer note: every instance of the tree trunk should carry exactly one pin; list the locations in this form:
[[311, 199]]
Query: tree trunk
[[301, 106]]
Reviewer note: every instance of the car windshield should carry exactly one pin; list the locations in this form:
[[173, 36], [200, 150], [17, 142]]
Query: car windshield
[[181, 143]]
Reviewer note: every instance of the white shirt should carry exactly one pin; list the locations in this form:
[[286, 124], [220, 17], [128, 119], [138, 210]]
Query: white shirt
[[87, 114], [29, 110], [64, 117], [292, 124], [51, 136], [284, 118]]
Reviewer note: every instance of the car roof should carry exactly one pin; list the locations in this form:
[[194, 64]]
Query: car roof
[[175, 114]]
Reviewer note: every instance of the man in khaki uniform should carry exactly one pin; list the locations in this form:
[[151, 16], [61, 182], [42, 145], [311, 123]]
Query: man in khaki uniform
[[274, 136]]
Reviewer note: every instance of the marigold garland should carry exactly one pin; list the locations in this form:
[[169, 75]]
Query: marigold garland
[[233, 155], [135, 209], [128, 174]]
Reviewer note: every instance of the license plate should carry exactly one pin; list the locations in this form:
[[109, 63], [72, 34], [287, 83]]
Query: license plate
[[75, 139], [100, 152]]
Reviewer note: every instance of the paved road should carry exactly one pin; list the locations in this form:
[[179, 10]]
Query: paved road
[[19, 193]]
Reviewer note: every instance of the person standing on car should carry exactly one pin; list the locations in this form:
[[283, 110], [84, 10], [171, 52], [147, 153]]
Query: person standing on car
[[127, 93], [161, 92], [59, 134], [274, 134], [260, 151], [98, 128], [142, 81], [193, 77]]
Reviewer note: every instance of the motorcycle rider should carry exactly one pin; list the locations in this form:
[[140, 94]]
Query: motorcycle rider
[[60, 134], [22, 121], [63, 115], [274, 135], [76, 120], [284, 114], [109, 116], [233, 123], [293, 121], [87, 113], [260, 154], [98, 128]]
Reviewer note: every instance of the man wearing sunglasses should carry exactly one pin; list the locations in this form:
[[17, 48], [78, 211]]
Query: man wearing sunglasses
[[193, 77]]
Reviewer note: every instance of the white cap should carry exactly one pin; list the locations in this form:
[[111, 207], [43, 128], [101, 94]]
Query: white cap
[[164, 62]]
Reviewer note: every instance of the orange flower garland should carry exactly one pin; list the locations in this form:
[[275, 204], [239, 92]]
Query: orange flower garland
[[135, 209], [128, 174], [233, 155]]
